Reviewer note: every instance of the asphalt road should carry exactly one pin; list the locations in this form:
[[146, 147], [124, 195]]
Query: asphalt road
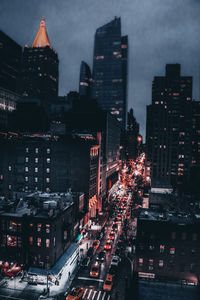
[[94, 286]]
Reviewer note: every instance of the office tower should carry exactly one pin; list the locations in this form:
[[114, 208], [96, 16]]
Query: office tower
[[10, 60], [132, 135], [110, 69], [40, 68], [85, 80], [169, 127]]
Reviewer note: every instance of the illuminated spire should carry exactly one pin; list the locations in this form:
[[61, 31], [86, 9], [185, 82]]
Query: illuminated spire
[[41, 39]]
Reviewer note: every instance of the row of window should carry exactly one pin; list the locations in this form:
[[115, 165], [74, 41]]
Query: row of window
[[48, 150], [40, 226], [174, 235], [39, 242], [151, 264], [36, 179]]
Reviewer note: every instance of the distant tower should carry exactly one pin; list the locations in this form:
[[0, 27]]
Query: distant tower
[[10, 59], [40, 68], [85, 80], [110, 69]]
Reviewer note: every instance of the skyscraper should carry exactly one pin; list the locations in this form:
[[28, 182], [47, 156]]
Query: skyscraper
[[169, 127], [40, 68], [10, 60], [110, 69], [85, 80]]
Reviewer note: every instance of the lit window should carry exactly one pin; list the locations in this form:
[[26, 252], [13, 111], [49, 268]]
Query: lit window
[[48, 160], [39, 227], [162, 248], [36, 179], [26, 179], [47, 180], [47, 243], [26, 169], [151, 262], [161, 263], [47, 228], [39, 242], [151, 247], [27, 150], [36, 170], [47, 190], [9, 168], [140, 262], [181, 156], [36, 150], [48, 150], [172, 250], [26, 159], [36, 160], [99, 57], [48, 170], [30, 240]]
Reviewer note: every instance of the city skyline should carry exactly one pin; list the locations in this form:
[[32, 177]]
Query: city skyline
[[168, 24]]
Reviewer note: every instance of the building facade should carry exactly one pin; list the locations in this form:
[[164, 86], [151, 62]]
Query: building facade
[[36, 231], [50, 164], [167, 247], [10, 63], [168, 139], [110, 69], [85, 80]]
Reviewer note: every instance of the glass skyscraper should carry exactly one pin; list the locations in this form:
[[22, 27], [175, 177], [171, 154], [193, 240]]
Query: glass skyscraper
[[110, 69]]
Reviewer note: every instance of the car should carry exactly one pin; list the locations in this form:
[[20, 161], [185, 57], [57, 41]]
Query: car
[[91, 252], [115, 227], [96, 244], [112, 235], [76, 293], [115, 261], [112, 271], [101, 255], [95, 270], [85, 262], [108, 245], [108, 283]]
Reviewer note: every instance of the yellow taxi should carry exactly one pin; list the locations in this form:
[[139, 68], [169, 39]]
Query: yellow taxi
[[76, 293], [95, 270], [108, 283]]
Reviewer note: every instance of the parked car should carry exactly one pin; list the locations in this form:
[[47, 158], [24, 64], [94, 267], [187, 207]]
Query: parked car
[[76, 293], [91, 252], [101, 256], [85, 262], [108, 245], [96, 244], [108, 283], [95, 270], [115, 261]]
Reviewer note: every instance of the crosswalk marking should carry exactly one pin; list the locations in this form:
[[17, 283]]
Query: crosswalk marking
[[94, 295], [104, 295], [84, 293], [99, 295], [89, 294], [108, 297]]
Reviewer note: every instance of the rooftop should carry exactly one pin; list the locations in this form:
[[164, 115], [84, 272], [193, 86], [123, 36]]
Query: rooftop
[[168, 216]]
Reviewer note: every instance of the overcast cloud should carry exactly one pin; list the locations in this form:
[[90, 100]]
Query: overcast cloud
[[160, 32]]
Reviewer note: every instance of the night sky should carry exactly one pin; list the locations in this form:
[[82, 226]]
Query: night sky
[[160, 32]]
